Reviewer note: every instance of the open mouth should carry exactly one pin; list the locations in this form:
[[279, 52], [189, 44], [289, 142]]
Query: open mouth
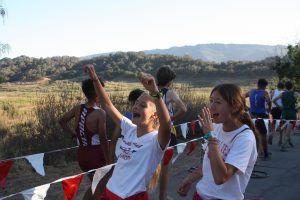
[[135, 115], [215, 115]]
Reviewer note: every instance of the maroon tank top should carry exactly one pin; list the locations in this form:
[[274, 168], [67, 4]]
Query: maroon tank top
[[85, 137]]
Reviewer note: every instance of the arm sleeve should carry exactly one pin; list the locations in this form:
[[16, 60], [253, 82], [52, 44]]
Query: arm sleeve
[[241, 151], [157, 151], [174, 96], [126, 124]]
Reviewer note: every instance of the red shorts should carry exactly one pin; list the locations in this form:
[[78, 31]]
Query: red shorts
[[90, 157], [196, 196], [108, 195]]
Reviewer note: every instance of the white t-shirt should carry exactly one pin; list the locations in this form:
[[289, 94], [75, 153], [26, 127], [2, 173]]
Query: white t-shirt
[[170, 98], [276, 94], [137, 161], [238, 148]]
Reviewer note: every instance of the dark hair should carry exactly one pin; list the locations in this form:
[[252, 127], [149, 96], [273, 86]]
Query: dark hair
[[233, 95], [135, 94], [88, 88], [280, 85], [288, 85], [164, 75], [262, 83]]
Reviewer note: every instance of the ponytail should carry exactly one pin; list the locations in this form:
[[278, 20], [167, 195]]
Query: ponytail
[[246, 119], [154, 180]]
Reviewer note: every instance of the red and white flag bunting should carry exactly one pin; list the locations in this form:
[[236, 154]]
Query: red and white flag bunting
[[266, 121], [168, 156], [193, 127], [70, 186], [99, 174], [285, 124], [37, 193], [277, 123], [184, 129], [4, 169], [192, 145], [180, 149], [37, 162]]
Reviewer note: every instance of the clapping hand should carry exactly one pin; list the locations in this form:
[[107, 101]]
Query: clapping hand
[[206, 120]]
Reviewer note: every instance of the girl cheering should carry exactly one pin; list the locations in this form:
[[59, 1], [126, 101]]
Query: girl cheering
[[231, 151], [143, 143]]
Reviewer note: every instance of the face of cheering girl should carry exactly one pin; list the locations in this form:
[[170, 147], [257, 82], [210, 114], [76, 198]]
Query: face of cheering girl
[[220, 110], [144, 111], [226, 106]]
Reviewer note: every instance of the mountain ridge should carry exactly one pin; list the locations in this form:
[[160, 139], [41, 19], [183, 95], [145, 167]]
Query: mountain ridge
[[217, 52]]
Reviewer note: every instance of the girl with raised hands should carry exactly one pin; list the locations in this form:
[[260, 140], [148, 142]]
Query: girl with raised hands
[[145, 138], [231, 151]]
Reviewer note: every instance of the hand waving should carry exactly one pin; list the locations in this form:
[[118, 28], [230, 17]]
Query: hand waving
[[206, 120]]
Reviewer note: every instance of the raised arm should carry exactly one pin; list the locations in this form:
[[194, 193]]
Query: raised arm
[[164, 131], [221, 171], [105, 101]]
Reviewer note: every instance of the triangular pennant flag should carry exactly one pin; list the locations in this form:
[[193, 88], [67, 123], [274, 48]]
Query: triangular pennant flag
[[193, 126], [180, 149], [173, 130], [183, 129], [293, 122], [200, 125], [273, 122], [4, 169], [282, 122], [70, 186], [37, 193], [99, 174], [168, 156], [277, 124], [37, 162], [192, 147], [266, 121], [298, 124], [285, 123]]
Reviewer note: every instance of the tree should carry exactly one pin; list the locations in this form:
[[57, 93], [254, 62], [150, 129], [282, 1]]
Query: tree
[[4, 48], [289, 65]]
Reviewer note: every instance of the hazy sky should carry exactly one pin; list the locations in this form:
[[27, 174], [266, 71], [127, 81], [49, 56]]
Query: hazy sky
[[44, 28]]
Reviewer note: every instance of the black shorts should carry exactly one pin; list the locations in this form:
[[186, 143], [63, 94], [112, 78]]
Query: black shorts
[[276, 113], [259, 123]]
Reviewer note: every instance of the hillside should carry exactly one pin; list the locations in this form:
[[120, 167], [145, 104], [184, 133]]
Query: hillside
[[219, 52], [124, 66]]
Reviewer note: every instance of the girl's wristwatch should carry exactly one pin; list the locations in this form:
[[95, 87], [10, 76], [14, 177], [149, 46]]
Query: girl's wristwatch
[[156, 95]]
